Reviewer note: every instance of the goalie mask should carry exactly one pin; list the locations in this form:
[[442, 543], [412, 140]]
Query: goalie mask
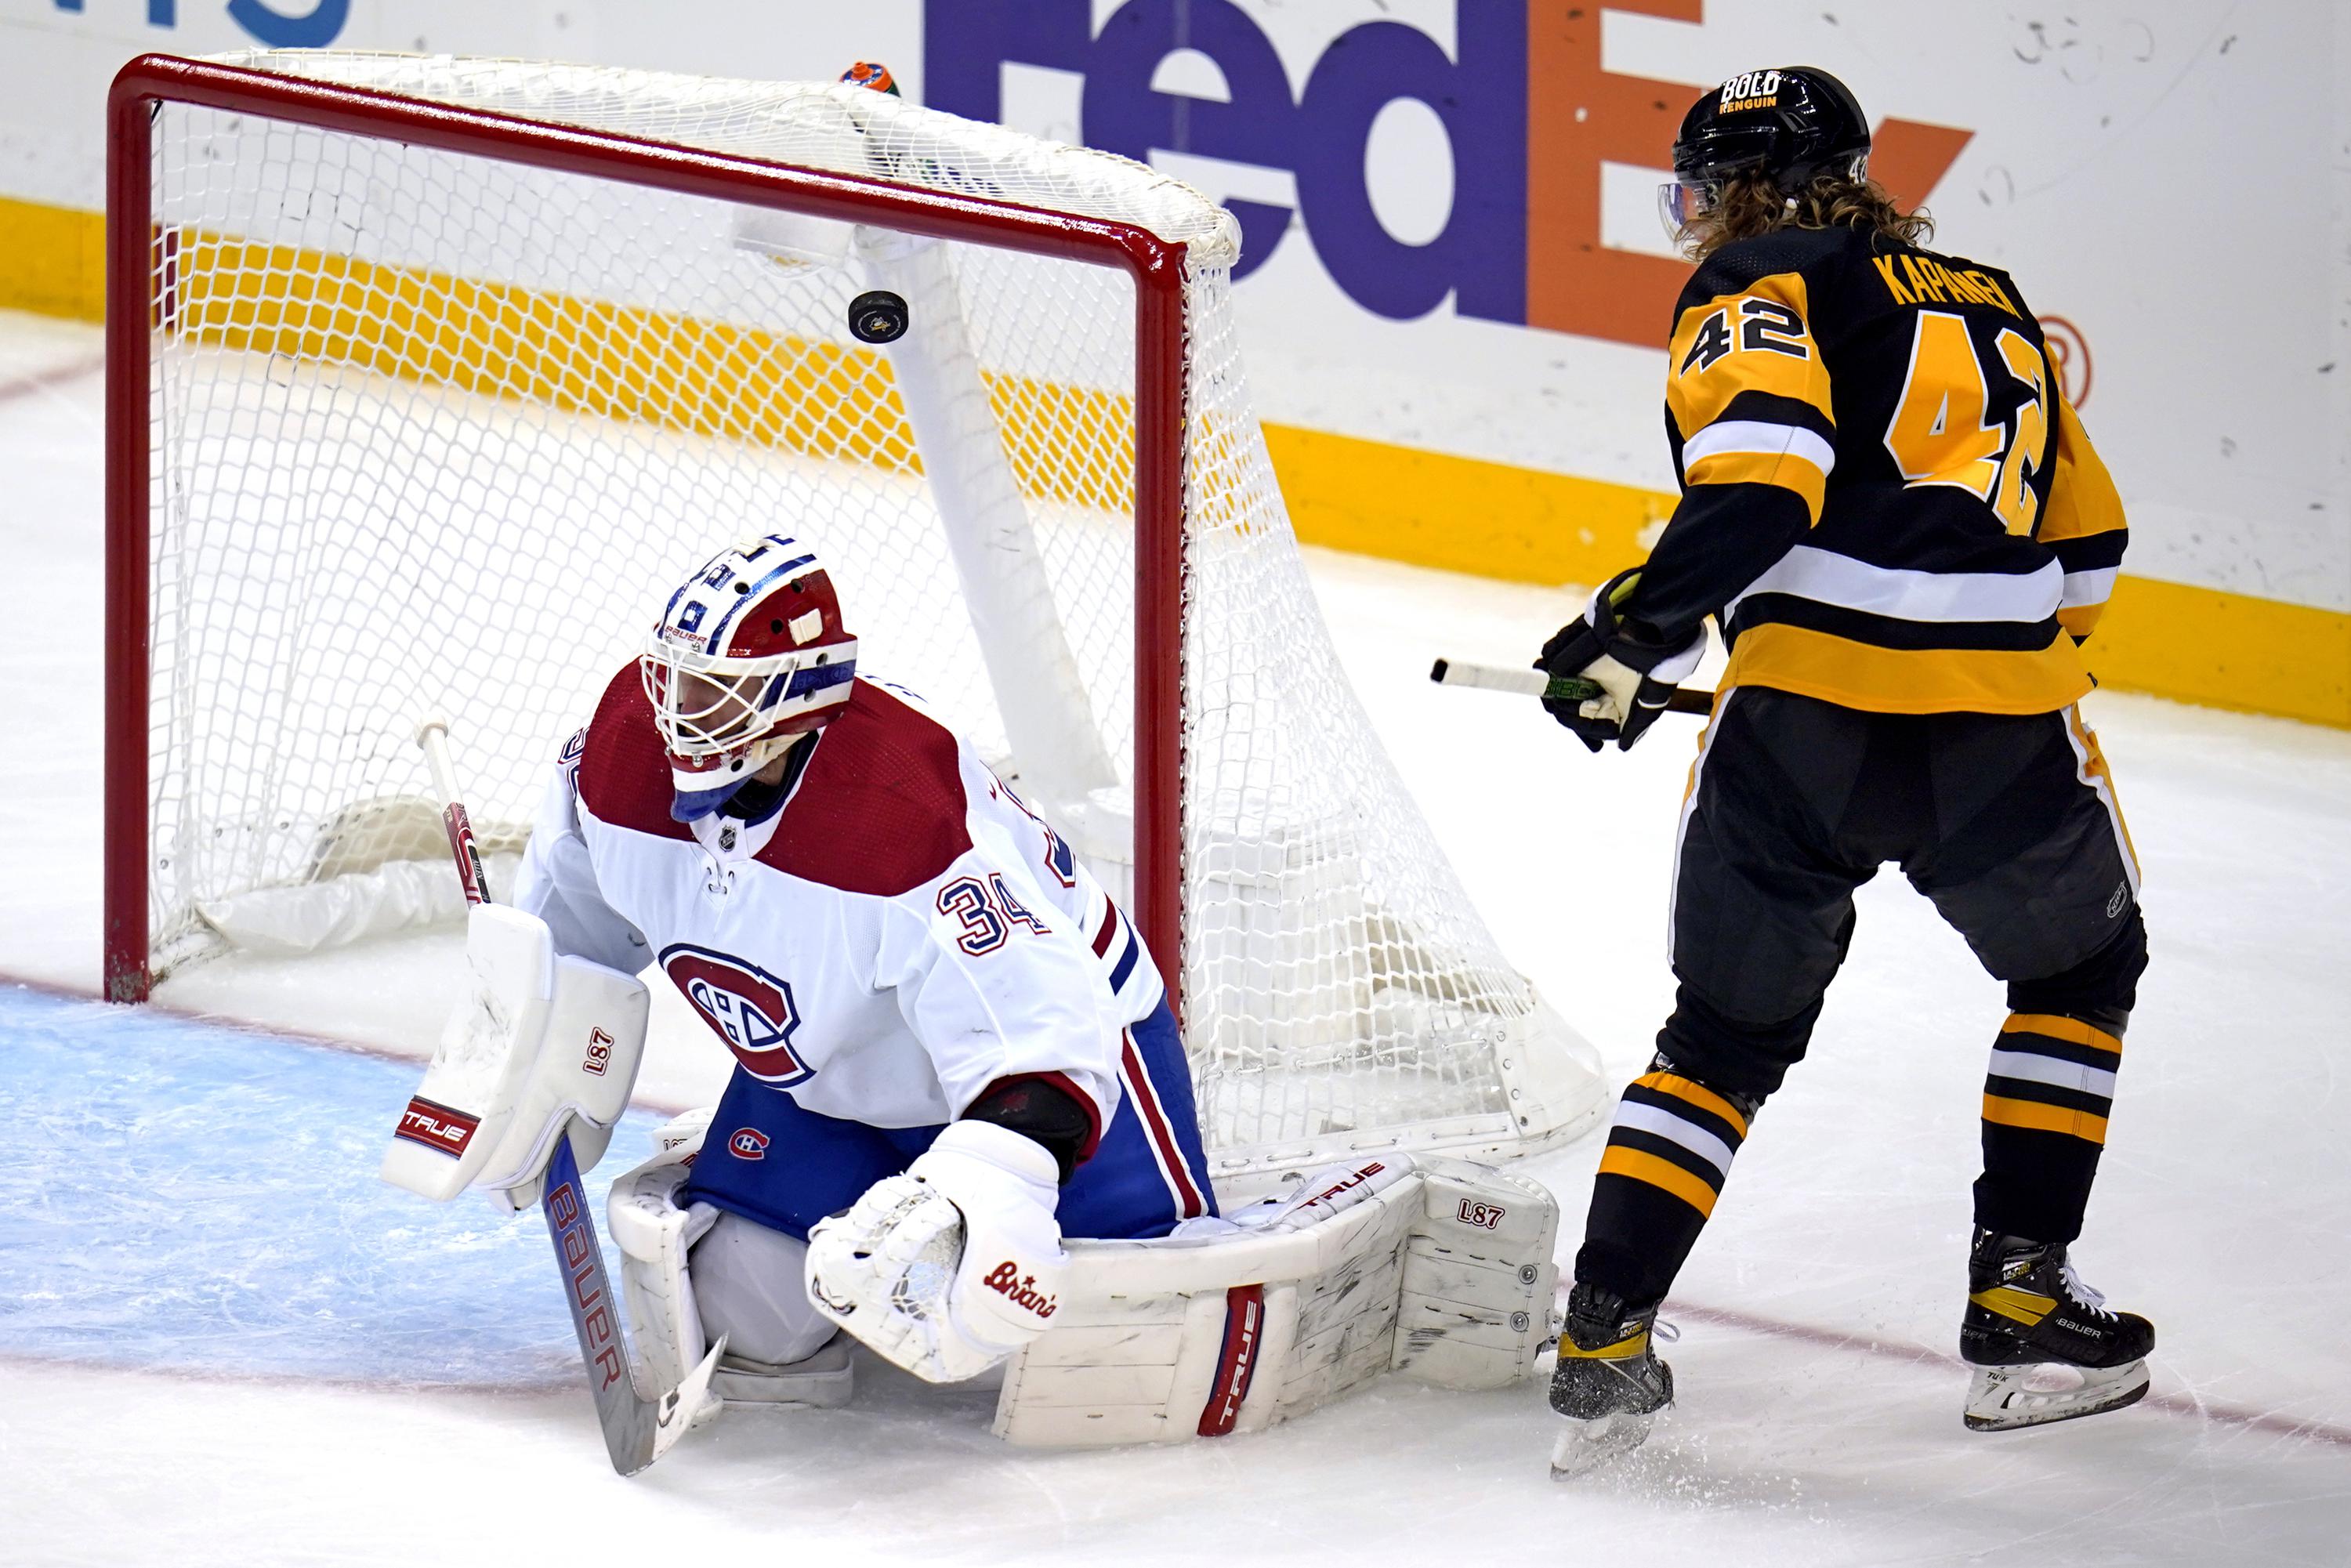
[[749, 653]]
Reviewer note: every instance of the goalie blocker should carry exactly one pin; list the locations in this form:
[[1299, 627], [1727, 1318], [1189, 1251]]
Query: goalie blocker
[[541, 1043], [1440, 1269]]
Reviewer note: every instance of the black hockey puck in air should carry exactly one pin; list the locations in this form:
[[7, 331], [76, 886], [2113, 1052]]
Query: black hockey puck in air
[[878, 317]]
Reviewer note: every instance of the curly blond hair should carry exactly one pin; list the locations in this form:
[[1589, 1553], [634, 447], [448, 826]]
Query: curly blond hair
[[1749, 204]]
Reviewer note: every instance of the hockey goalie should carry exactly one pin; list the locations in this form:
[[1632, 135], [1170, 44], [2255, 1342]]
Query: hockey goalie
[[960, 1128]]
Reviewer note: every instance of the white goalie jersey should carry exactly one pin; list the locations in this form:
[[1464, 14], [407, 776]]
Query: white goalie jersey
[[900, 933]]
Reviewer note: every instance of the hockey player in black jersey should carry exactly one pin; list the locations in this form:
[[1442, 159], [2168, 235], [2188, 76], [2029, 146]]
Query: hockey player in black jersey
[[1894, 516]]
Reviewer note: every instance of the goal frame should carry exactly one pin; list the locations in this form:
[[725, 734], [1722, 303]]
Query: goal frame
[[135, 284]]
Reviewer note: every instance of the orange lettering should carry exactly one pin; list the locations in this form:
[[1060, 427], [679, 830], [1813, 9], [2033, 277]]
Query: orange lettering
[[1580, 116]]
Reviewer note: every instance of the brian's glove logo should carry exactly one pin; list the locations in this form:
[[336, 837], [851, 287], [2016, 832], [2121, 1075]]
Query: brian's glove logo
[[1007, 1281], [747, 1007]]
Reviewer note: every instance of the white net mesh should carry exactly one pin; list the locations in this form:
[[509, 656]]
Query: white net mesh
[[434, 432]]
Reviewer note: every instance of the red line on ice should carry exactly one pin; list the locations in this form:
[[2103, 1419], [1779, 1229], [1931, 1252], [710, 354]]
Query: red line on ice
[[55, 376]]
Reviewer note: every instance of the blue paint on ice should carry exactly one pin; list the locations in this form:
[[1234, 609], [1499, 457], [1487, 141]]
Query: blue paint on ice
[[188, 1195]]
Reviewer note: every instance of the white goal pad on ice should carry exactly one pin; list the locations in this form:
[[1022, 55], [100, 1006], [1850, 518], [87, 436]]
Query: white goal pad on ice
[[450, 367]]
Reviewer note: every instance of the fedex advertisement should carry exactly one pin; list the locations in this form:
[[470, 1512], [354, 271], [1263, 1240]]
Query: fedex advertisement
[[1530, 116]]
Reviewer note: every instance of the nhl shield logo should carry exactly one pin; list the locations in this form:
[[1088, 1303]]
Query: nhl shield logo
[[748, 1009]]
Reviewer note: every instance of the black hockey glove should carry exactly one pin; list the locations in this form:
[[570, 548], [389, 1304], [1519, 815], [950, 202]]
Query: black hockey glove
[[1636, 678]]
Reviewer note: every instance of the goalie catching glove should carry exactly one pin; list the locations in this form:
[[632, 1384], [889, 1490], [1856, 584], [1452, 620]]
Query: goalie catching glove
[[1636, 677], [952, 1266]]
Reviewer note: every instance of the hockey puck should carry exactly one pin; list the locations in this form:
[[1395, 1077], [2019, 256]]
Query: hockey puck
[[877, 316]]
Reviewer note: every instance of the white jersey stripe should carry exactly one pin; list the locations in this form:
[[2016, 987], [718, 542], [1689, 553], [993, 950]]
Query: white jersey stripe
[[1744, 435], [2090, 587], [1825, 577]]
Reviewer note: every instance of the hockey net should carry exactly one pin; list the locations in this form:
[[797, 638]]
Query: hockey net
[[434, 428]]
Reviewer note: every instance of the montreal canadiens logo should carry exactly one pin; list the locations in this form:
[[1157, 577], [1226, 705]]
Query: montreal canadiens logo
[[749, 1143], [749, 1009]]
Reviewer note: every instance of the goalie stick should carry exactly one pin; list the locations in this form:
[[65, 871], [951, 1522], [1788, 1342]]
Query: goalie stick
[[637, 1430], [1556, 688], [433, 739]]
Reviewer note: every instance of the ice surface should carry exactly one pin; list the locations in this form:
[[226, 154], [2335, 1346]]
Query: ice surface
[[221, 1415], [210, 1205]]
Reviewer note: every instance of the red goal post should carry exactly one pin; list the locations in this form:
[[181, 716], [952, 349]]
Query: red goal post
[[137, 274]]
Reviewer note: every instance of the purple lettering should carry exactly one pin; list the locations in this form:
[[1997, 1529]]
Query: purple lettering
[[966, 44], [1480, 255], [1122, 114]]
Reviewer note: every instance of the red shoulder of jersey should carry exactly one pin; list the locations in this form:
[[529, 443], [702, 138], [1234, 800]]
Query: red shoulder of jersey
[[624, 769], [881, 808]]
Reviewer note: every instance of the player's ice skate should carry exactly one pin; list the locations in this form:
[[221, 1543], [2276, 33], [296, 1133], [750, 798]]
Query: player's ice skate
[[1609, 1385], [2044, 1346]]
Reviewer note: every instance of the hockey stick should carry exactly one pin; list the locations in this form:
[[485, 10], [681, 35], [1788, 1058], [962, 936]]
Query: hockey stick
[[432, 739], [637, 1431], [1556, 688]]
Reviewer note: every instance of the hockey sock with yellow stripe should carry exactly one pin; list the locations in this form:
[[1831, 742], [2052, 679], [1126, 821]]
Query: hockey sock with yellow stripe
[[1669, 1152], [2047, 1095]]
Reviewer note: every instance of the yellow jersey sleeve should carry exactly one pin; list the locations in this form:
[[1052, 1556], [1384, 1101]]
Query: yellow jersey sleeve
[[1748, 392], [2083, 524]]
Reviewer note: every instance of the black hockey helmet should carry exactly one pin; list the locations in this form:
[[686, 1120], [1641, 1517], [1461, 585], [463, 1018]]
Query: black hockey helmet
[[1791, 124]]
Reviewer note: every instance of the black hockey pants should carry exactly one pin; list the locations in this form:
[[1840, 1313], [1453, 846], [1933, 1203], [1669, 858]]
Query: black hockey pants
[[2008, 824]]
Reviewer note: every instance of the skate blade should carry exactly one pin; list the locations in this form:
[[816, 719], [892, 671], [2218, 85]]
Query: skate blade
[[1586, 1446], [2002, 1399]]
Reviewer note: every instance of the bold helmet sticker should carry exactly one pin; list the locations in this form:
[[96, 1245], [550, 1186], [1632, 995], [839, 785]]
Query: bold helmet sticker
[[749, 1009]]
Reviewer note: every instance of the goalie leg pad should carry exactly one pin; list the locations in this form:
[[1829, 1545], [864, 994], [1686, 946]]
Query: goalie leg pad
[[1441, 1269], [1480, 1278], [692, 1273], [824, 1381], [749, 1283], [655, 1230]]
